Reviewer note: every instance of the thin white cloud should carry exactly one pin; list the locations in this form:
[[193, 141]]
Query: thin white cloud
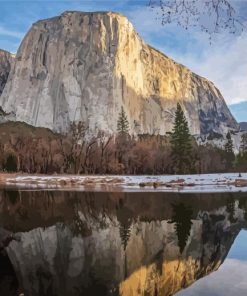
[[11, 33], [223, 61]]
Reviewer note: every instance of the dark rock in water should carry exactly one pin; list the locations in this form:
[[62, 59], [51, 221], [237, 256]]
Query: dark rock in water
[[8, 280], [6, 237]]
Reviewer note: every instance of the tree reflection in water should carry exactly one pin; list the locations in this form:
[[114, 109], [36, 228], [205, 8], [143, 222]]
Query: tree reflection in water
[[182, 217], [85, 243]]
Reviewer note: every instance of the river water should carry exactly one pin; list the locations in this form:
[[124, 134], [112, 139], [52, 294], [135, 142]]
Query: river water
[[138, 243]]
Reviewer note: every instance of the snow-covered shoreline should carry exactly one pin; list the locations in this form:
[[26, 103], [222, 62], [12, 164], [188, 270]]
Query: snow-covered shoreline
[[230, 182]]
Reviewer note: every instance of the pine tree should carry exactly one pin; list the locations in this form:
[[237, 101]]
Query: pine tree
[[122, 140], [229, 151], [241, 161], [11, 164], [229, 143], [124, 234], [230, 208], [182, 217], [122, 124], [181, 144], [243, 146]]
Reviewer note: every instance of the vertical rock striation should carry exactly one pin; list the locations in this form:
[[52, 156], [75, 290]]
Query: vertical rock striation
[[6, 59], [85, 66]]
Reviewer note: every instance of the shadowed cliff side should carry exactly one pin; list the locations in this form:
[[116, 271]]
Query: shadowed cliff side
[[86, 66], [6, 61]]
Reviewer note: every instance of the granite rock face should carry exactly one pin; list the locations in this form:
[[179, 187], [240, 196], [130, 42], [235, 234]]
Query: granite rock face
[[85, 66], [243, 126], [6, 59]]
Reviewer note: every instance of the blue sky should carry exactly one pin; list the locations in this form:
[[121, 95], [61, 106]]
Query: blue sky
[[229, 279], [239, 111], [223, 61]]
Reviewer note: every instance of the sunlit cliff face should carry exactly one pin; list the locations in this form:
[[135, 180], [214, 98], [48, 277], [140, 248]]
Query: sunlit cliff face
[[86, 66], [117, 243]]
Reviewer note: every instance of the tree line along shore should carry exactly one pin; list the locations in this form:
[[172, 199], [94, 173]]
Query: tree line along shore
[[27, 149]]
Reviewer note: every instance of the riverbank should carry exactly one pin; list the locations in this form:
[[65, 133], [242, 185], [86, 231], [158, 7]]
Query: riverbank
[[230, 182]]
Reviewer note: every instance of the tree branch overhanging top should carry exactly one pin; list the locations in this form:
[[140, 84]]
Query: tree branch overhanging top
[[211, 16]]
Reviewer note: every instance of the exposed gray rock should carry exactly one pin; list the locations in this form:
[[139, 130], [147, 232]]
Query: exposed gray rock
[[6, 62], [6, 59], [85, 66], [243, 126]]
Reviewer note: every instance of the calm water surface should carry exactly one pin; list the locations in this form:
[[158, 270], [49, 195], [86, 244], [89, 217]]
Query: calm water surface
[[149, 244]]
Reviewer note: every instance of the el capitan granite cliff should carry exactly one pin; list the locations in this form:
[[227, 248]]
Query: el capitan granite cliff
[[84, 66]]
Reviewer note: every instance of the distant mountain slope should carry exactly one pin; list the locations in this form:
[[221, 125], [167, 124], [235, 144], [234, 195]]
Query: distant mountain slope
[[85, 66]]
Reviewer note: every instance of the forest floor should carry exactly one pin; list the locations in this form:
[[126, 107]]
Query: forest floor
[[230, 182]]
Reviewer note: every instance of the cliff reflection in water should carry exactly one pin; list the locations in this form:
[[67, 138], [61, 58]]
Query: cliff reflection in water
[[78, 243]]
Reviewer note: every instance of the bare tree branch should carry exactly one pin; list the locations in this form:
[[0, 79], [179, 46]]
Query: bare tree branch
[[211, 16]]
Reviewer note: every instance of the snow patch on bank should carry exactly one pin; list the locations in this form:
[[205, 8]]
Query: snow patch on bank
[[231, 182]]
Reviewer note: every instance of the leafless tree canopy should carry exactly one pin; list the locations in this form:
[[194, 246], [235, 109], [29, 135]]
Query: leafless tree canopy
[[211, 16]]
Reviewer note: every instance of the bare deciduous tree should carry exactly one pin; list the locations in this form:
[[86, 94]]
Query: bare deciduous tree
[[73, 153], [104, 141], [211, 16]]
